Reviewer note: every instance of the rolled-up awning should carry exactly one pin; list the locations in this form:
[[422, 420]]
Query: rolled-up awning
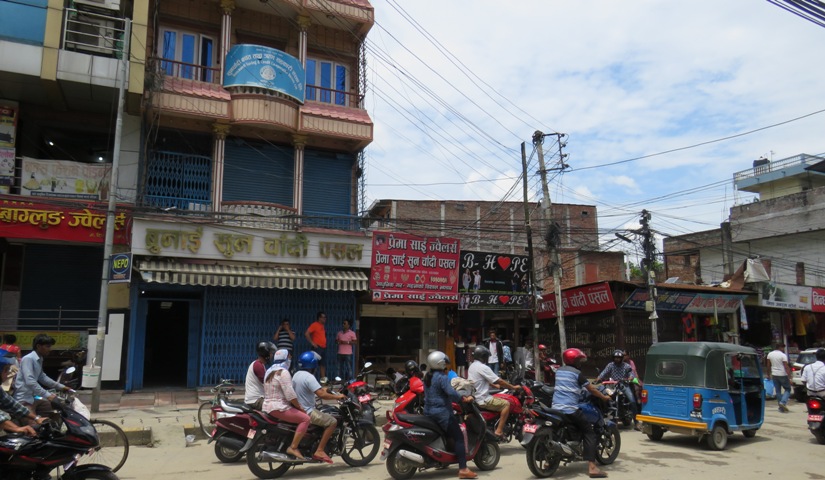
[[162, 271]]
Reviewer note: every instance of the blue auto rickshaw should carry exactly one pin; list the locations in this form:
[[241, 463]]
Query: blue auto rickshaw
[[705, 389]]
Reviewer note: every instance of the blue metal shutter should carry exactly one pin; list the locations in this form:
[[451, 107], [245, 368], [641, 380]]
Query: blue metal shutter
[[327, 183], [60, 288], [257, 172]]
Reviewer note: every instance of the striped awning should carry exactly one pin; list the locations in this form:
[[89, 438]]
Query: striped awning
[[162, 271]]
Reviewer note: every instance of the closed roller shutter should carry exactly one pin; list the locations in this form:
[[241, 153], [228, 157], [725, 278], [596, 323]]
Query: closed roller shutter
[[257, 172], [327, 183]]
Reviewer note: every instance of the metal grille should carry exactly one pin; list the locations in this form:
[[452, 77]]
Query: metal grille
[[179, 180], [236, 319]]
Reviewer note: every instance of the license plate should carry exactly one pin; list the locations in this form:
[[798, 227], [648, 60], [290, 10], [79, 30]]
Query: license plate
[[815, 418], [387, 444], [250, 434], [530, 428], [364, 398]]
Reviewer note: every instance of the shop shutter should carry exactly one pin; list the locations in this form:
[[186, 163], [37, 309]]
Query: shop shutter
[[257, 172], [60, 287], [327, 183]]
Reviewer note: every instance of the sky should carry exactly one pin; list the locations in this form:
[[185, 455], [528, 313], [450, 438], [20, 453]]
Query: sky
[[456, 86]]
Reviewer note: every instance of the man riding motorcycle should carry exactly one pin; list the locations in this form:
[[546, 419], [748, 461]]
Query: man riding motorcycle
[[306, 386], [617, 370], [254, 383], [483, 377], [568, 396], [11, 408], [813, 376]]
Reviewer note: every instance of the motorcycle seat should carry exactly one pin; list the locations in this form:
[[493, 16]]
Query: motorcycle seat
[[494, 391], [232, 407], [421, 421]]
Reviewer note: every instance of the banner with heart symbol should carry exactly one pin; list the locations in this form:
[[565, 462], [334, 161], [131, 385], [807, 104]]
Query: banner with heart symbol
[[494, 281]]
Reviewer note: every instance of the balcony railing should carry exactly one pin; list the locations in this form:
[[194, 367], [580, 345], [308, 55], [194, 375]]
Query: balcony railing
[[268, 216], [332, 221], [93, 33], [777, 165], [189, 71], [51, 319]]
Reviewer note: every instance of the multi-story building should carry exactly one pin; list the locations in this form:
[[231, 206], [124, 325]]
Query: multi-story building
[[241, 167], [782, 229]]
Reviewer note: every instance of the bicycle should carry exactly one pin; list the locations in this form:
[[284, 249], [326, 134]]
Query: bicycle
[[207, 411]]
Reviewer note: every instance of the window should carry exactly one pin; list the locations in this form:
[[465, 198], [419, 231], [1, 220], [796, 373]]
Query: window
[[670, 368], [327, 82], [188, 52]]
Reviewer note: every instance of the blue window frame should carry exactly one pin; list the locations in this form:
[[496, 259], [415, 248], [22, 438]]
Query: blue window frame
[[188, 51], [333, 79]]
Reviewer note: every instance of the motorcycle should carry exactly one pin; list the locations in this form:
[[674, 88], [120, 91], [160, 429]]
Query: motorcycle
[[519, 401], [816, 409], [231, 430], [549, 367], [355, 440], [69, 374], [624, 407], [410, 399], [362, 390], [424, 444], [550, 438], [23, 457]]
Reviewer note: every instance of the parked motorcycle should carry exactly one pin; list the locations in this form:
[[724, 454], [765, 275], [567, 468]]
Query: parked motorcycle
[[624, 407], [519, 401], [23, 457], [816, 412], [550, 439], [424, 444], [363, 392], [355, 440], [70, 374], [549, 366]]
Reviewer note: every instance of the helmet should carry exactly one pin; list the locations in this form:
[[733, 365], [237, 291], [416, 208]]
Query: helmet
[[542, 347], [571, 356], [481, 353], [307, 361], [618, 354], [265, 349], [6, 358], [411, 368], [437, 360]]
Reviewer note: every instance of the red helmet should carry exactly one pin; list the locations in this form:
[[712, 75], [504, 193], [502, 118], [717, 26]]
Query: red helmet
[[572, 355], [542, 347]]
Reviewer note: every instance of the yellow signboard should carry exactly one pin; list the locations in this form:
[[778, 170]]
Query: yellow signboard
[[63, 340]]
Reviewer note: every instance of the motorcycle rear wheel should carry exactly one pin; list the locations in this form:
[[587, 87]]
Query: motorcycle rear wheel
[[227, 455], [361, 447], [820, 437], [263, 468], [399, 468], [488, 456], [541, 459], [608, 446]]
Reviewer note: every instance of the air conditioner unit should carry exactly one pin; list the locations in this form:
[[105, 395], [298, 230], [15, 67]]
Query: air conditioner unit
[[92, 33], [107, 4]]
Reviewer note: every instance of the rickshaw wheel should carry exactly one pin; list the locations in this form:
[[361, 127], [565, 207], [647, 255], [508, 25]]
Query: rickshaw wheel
[[749, 433], [718, 438], [656, 433]]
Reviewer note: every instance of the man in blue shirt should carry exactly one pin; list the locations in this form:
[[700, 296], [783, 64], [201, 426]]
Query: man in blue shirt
[[9, 407], [31, 380], [568, 396], [306, 386]]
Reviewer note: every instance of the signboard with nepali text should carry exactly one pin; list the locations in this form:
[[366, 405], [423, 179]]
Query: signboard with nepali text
[[688, 302], [82, 223], [578, 301], [817, 299], [65, 179], [264, 67], [409, 268], [493, 281]]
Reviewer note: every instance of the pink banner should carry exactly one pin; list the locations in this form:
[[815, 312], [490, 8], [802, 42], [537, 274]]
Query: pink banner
[[576, 301], [818, 299], [409, 268]]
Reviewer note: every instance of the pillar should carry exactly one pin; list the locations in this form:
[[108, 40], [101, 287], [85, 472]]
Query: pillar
[[220, 131], [227, 6], [299, 142]]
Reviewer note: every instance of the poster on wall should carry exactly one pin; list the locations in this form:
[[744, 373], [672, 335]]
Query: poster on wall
[[8, 123], [412, 269], [6, 169], [64, 179], [493, 281], [817, 299], [780, 295]]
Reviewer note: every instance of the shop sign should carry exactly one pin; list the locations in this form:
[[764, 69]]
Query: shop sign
[[413, 269], [493, 281], [63, 340], [265, 67], [578, 301], [25, 219], [780, 295], [65, 179], [818, 299], [120, 268], [688, 302], [8, 123]]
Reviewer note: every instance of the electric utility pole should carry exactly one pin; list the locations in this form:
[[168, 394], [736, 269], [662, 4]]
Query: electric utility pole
[[552, 236], [649, 274], [529, 231]]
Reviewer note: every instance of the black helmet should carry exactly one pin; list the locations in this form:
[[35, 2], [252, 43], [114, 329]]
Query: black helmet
[[411, 368], [618, 354], [481, 353], [265, 349]]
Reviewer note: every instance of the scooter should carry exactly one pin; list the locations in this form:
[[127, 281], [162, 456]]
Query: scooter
[[425, 445], [23, 457], [410, 400], [816, 420]]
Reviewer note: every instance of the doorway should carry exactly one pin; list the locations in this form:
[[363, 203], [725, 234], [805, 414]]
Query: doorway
[[165, 360]]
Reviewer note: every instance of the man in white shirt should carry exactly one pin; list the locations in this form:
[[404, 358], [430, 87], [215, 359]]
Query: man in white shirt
[[483, 377], [781, 375], [813, 375], [254, 382]]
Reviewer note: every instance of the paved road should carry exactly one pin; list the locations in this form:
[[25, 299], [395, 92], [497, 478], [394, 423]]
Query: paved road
[[783, 448]]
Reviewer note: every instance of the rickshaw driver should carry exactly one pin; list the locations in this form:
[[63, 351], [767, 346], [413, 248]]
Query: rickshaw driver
[[617, 370]]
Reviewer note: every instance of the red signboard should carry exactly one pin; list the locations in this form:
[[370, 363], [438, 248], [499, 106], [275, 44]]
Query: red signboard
[[576, 301], [818, 299], [409, 268], [83, 223]]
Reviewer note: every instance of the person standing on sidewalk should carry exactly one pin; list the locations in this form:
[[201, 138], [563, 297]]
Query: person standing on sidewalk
[[285, 338], [316, 335], [345, 340], [781, 376]]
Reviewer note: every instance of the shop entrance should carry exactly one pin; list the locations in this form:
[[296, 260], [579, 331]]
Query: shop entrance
[[166, 351]]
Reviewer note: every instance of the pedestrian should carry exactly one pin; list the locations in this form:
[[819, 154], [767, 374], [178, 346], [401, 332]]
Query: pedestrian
[[285, 337], [345, 339], [316, 335], [781, 376], [31, 381], [496, 349]]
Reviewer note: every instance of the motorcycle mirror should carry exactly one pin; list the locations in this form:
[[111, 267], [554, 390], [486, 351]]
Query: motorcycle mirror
[[70, 370], [367, 365], [337, 379]]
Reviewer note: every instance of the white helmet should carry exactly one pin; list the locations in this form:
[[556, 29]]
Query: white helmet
[[437, 360]]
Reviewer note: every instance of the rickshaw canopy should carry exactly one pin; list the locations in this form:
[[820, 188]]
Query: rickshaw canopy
[[699, 364]]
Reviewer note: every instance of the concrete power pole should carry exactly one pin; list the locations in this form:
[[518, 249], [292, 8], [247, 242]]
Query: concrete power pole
[[553, 240], [532, 270], [649, 274]]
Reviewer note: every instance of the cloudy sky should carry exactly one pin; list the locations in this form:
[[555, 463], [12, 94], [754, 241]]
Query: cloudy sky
[[456, 86]]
